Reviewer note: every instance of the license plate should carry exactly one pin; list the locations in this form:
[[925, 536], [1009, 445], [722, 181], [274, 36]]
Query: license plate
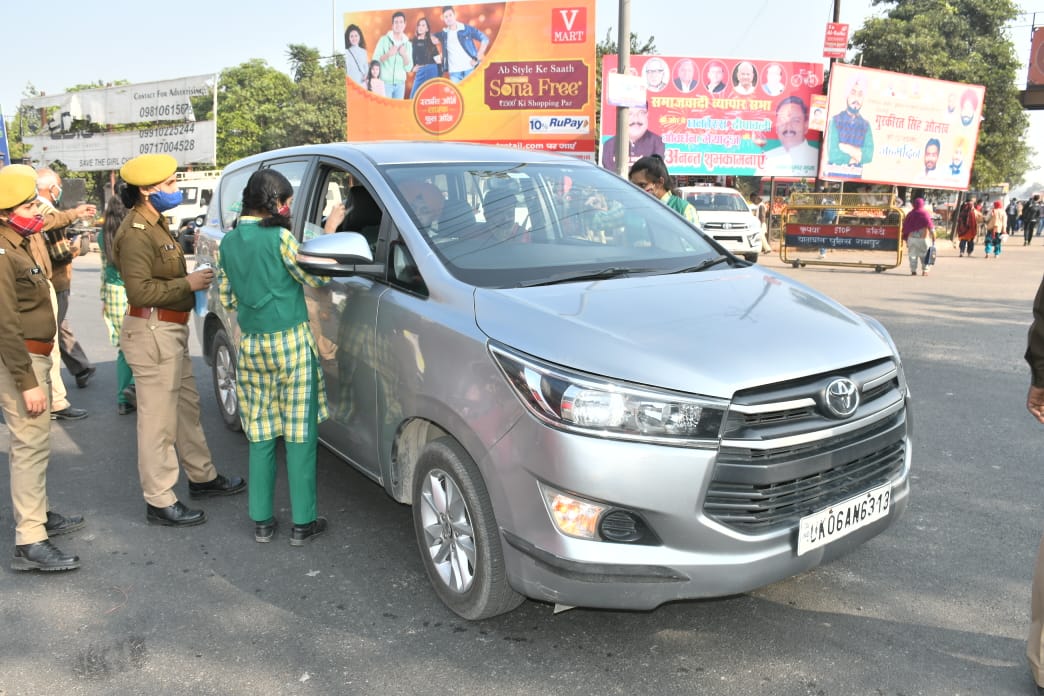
[[821, 528]]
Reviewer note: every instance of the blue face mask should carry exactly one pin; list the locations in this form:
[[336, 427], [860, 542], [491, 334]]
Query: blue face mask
[[165, 201]]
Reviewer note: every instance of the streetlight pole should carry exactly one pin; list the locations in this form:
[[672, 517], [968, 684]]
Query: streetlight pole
[[623, 143]]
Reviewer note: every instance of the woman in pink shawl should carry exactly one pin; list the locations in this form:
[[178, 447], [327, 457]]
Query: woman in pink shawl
[[919, 235]]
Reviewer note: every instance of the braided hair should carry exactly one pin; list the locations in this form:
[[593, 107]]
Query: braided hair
[[264, 191]]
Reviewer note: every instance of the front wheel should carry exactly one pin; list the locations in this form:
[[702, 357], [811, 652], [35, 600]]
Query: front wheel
[[223, 367], [457, 533]]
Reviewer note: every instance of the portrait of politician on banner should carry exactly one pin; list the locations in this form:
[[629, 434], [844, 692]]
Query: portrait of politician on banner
[[889, 128], [720, 116], [516, 74]]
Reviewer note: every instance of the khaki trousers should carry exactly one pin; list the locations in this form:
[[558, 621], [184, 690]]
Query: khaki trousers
[[168, 407], [30, 451], [59, 397], [1035, 643]]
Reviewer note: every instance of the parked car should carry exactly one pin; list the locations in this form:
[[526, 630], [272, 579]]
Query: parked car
[[726, 216], [612, 420]]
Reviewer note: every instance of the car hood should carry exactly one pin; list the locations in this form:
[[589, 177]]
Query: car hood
[[709, 333]]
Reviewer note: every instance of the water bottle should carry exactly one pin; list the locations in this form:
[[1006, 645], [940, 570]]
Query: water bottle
[[201, 295]]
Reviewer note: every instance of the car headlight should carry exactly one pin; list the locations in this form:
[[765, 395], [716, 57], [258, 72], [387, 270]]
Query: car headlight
[[752, 239], [599, 407], [881, 331]]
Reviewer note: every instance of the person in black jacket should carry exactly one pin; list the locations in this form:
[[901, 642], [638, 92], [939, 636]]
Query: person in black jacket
[[1030, 217]]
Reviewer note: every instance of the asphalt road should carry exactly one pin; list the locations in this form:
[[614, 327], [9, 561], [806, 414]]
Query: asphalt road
[[936, 605]]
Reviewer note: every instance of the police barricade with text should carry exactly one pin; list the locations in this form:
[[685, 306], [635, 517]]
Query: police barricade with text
[[862, 230]]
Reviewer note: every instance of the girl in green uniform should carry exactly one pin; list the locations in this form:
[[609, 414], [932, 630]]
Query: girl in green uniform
[[114, 302], [279, 384]]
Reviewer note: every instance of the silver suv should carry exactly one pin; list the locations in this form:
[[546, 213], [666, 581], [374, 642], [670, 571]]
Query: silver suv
[[584, 399], [726, 216]]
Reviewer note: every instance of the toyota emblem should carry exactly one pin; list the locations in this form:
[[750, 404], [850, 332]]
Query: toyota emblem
[[842, 398]]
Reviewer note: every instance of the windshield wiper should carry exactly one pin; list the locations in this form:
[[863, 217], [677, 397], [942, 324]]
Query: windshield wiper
[[603, 274], [703, 265]]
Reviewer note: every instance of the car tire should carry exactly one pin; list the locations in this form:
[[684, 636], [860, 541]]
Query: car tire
[[223, 370], [457, 533], [753, 258]]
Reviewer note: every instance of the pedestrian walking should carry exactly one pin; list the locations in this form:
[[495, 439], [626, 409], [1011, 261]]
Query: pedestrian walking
[[279, 384], [968, 226], [996, 228], [154, 339], [1030, 217], [29, 322], [919, 236], [114, 303]]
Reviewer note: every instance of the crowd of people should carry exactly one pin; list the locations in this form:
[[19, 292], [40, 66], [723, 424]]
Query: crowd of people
[[397, 59]]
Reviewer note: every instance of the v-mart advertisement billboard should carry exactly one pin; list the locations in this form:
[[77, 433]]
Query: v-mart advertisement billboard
[[517, 74]]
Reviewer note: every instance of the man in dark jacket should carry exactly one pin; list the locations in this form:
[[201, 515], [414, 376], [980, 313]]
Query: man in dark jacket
[[1030, 217]]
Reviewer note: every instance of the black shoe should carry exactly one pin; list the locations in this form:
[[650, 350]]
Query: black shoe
[[60, 524], [84, 377], [69, 413], [221, 485], [43, 555], [130, 395], [123, 409], [176, 515], [264, 531], [307, 532]]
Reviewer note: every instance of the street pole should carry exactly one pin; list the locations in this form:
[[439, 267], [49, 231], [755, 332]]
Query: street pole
[[623, 144]]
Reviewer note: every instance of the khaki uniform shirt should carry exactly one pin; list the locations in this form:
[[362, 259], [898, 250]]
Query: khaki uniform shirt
[[61, 274], [151, 262], [1035, 349], [25, 307]]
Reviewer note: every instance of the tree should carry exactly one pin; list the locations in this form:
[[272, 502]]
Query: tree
[[318, 113], [610, 46], [252, 101], [960, 41]]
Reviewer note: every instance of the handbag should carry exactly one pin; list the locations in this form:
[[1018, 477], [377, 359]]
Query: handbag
[[929, 256]]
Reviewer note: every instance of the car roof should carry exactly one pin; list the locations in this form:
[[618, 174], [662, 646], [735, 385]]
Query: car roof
[[418, 152], [708, 189]]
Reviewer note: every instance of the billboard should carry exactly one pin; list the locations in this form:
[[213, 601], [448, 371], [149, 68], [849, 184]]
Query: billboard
[[1035, 78], [888, 128], [516, 74], [720, 116], [166, 100], [192, 142]]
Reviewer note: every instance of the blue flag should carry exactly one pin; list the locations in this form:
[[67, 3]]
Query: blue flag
[[5, 153]]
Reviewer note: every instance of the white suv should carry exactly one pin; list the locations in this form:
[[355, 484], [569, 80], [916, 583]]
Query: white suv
[[726, 216]]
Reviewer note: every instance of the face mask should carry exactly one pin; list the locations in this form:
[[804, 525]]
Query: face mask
[[283, 211], [162, 201], [26, 226]]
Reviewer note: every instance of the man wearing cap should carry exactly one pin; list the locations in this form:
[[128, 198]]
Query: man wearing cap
[[154, 340], [49, 188], [61, 409], [25, 348]]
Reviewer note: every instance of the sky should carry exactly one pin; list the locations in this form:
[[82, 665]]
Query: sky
[[84, 43]]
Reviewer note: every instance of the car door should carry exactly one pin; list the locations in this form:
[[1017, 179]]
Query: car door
[[343, 319]]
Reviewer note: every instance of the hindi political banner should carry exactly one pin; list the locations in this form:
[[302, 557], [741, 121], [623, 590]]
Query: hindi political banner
[[5, 151], [516, 74], [717, 116], [145, 102], [1035, 78], [888, 128], [192, 142]]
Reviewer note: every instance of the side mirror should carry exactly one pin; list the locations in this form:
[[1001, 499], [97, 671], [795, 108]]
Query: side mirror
[[337, 254]]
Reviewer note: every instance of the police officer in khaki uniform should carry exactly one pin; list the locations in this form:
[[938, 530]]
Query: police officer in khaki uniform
[[154, 339], [25, 348]]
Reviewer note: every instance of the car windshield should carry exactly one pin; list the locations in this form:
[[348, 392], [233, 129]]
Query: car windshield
[[718, 201], [497, 225]]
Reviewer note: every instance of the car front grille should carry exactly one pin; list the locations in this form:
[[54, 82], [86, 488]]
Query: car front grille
[[783, 456]]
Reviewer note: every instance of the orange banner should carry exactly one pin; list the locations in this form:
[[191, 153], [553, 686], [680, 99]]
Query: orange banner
[[519, 74], [1036, 61]]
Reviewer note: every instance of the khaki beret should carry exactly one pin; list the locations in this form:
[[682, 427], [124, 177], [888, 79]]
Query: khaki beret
[[146, 170], [16, 187]]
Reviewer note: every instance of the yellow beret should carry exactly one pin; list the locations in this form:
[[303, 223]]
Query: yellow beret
[[23, 169], [146, 170], [16, 188]]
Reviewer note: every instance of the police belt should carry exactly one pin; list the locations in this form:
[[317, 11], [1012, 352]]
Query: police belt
[[171, 315], [38, 347]]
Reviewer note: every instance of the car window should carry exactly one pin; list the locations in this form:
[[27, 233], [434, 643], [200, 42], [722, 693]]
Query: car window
[[338, 186], [502, 225], [231, 196], [731, 202]]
